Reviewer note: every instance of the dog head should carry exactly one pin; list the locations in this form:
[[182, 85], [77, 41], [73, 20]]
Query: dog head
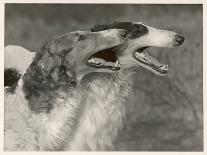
[[79, 51], [66, 59], [141, 37]]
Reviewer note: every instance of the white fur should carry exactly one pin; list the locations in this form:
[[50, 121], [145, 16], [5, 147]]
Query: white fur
[[19, 135], [102, 117], [18, 58]]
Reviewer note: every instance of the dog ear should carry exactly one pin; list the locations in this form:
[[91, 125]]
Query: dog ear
[[47, 62], [115, 25], [52, 62], [57, 46], [122, 25], [99, 27]]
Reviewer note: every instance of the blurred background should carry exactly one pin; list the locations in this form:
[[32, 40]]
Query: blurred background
[[164, 113]]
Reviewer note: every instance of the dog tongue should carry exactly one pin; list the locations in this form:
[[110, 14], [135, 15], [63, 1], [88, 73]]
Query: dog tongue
[[104, 62], [152, 60]]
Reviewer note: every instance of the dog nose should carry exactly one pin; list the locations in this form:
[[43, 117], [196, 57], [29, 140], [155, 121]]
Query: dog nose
[[179, 39], [123, 34]]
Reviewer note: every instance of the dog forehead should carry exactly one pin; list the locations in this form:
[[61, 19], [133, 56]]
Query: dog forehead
[[138, 29], [73, 35], [77, 33]]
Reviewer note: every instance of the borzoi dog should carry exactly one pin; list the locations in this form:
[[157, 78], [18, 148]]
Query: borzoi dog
[[72, 97]]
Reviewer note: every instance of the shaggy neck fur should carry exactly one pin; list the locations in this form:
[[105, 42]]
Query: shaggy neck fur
[[103, 111], [85, 118]]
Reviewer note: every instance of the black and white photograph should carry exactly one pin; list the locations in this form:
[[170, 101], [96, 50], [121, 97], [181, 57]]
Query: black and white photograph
[[103, 77]]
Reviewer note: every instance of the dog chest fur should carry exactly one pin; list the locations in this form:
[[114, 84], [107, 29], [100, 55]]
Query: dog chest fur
[[102, 114], [89, 120]]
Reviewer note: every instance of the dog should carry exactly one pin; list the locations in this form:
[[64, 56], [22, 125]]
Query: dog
[[72, 96]]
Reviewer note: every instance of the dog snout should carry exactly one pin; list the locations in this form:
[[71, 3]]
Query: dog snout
[[179, 39]]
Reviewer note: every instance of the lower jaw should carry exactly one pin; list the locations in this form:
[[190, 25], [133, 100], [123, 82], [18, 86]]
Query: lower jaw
[[149, 62], [106, 67], [101, 63], [153, 68]]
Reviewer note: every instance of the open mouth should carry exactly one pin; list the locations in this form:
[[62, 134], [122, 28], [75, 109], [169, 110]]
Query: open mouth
[[150, 62], [106, 58]]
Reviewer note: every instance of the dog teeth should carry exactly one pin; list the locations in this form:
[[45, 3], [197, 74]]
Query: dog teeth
[[164, 67], [142, 55], [91, 60], [117, 64], [99, 61], [96, 62]]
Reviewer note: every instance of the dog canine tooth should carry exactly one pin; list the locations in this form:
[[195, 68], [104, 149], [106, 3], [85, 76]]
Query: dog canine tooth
[[116, 64], [164, 67], [137, 54], [92, 60], [142, 55]]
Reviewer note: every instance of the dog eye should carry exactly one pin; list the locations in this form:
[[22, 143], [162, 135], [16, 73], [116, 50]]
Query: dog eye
[[81, 37], [140, 27]]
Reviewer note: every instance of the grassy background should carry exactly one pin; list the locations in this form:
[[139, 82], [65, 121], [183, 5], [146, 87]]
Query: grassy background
[[164, 113]]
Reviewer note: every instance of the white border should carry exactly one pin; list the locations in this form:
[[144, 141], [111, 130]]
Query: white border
[[109, 1], [1, 74], [204, 2]]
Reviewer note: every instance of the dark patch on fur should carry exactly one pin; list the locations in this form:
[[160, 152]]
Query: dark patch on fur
[[81, 37], [116, 25], [135, 30], [43, 84], [11, 78], [11, 90]]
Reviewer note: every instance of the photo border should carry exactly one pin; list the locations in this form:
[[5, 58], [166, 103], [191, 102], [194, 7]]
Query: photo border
[[2, 32]]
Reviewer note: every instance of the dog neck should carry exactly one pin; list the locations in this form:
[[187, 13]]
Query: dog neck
[[102, 113]]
